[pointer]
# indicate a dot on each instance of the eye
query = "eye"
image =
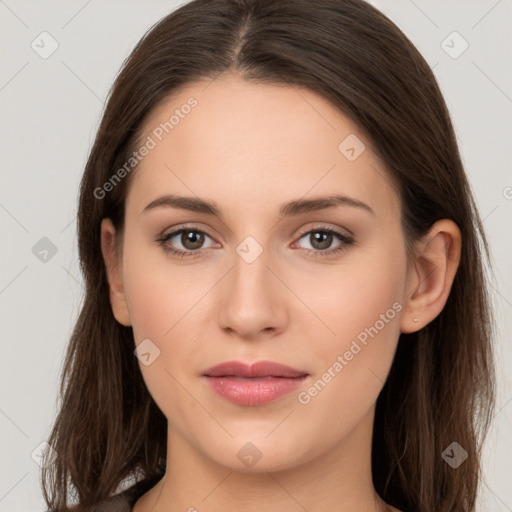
(190, 239)
(321, 239)
(189, 242)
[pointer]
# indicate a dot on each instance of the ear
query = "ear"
(431, 274)
(112, 258)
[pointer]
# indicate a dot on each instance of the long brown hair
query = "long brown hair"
(441, 385)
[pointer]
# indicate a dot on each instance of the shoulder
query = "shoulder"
(122, 501)
(118, 503)
(125, 500)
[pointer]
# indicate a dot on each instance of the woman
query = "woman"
(285, 305)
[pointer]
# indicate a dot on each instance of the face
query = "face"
(316, 289)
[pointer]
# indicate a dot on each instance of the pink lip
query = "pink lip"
(253, 384)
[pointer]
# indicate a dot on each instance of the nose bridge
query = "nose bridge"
(252, 301)
(251, 276)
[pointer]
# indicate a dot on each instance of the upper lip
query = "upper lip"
(258, 369)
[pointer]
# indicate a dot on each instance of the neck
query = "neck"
(339, 479)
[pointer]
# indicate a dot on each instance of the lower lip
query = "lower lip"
(253, 391)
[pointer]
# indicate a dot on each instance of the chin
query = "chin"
(259, 455)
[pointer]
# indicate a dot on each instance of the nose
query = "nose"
(252, 300)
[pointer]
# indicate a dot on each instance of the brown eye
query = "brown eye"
(321, 240)
(192, 240)
(185, 241)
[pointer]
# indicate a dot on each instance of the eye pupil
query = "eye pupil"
(323, 238)
(192, 237)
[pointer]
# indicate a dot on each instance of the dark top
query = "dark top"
(125, 500)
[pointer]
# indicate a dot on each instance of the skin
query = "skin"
(250, 148)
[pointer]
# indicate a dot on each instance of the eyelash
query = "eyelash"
(345, 239)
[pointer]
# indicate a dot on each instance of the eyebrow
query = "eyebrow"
(291, 208)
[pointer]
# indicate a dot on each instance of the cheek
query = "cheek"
(167, 307)
(349, 297)
(160, 294)
(359, 305)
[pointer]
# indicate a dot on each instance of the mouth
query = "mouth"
(258, 370)
(256, 384)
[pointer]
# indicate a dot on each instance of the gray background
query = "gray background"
(50, 109)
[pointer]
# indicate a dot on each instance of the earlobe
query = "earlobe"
(112, 260)
(431, 275)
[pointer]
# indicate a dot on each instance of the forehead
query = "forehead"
(243, 143)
